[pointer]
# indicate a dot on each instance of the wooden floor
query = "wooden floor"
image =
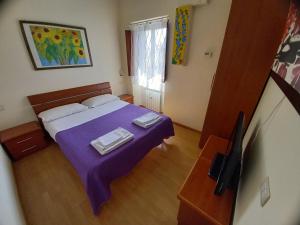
(52, 194)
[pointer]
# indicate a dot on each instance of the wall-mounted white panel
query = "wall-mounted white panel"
(10, 209)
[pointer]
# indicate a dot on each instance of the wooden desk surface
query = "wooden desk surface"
(198, 189)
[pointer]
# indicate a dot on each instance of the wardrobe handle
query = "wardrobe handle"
(212, 82)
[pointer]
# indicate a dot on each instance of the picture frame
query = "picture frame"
(291, 93)
(286, 67)
(56, 46)
(181, 37)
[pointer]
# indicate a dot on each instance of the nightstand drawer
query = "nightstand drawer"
(24, 152)
(23, 139)
(26, 144)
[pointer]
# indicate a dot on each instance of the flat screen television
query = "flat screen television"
(225, 169)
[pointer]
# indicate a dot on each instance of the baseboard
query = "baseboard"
(187, 127)
(179, 124)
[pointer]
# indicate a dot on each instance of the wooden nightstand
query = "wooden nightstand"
(24, 139)
(127, 98)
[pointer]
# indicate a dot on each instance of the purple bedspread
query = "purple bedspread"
(97, 171)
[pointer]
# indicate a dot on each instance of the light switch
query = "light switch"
(2, 108)
(265, 193)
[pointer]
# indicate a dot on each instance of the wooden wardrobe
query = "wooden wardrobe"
(253, 34)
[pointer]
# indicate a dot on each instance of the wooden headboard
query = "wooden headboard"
(44, 101)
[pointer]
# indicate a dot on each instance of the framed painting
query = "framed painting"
(55, 46)
(181, 34)
(286, 67)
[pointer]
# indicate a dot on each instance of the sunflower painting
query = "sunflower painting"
(56, 46)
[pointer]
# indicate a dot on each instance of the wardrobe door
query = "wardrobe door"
(254, 32)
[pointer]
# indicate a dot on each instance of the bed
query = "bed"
(75, 132)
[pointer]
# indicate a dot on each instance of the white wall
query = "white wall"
(18, 78)
(188, 87)
(274, 153)
(10, 209)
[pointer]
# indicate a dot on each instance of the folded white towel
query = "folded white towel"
(149, 124)
(148, 117)
(112, 140)
(109, 139)
(147, 120)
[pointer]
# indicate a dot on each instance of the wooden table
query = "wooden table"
(198, 203)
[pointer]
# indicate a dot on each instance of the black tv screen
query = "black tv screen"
(226, 168)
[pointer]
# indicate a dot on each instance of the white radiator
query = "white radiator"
(148, 98)
(152, 100)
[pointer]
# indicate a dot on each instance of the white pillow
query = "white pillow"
(61, 111)
(99, 100)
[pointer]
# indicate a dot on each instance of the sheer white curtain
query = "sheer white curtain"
(149, 41)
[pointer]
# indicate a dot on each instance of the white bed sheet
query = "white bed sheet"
(76, 119)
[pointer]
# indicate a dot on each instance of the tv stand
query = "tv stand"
(198, 203)
(217, 166)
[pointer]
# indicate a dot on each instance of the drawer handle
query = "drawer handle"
(30, 148)
(27, 139)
